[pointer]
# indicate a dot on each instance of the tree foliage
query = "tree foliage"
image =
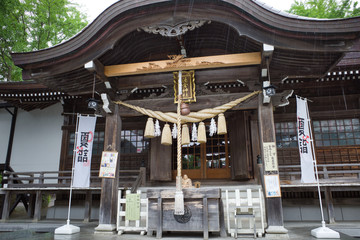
(325, 8)
(28, 25)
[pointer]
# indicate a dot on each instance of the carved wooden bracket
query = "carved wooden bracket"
(174, 31)
(281, 99)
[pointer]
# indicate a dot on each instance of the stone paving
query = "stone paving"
(45, 230)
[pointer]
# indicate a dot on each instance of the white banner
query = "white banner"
(304, 141)
(84, 144)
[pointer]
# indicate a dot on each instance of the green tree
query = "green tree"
(325, 8)
(28, 25)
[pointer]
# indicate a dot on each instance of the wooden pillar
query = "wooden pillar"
(160, 218)
(205, 218)
(88, 204)
(109, 186)
(6, 206)
(38, 206)
(31, 208)
(274, 211)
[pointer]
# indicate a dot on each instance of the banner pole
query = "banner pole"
(323, 231)
(72, 169)
(70, 229)
(315, 162)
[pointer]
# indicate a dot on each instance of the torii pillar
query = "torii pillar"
(109, 186)
(274, 210)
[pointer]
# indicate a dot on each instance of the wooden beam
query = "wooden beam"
(95, 66)
(177, 62)
(247, 73)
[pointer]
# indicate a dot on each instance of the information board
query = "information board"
(132, 211)
(270, 156)
(272, 185)
(108, 164)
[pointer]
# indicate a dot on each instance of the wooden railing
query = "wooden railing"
(62, 179)
(34, 184)
(343, 171)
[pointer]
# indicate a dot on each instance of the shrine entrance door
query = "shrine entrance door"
(208, 160)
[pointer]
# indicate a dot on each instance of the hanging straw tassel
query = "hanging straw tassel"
(221, 125)
(185, 137)
(166, 135)
(149, 129)
(201, 133)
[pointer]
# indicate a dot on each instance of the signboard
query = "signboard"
(83, 151)
(188, 86)
(270, 156)
(108, 164)
(272, 185)
(132, 211)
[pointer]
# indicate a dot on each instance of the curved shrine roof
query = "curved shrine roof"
(302, 46)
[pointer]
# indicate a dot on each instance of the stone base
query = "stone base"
(324, 232)
(105, 229)
(276, 232)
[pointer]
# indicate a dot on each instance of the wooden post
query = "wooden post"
(160, 218)
(274, 211)
(205, 218)
(143, 176)
(222, 219)
(88, 203)
(109, 186)
(38, 205)
(6, 207)
(31, 208)
(329, 205)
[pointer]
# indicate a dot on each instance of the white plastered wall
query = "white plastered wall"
(37, 140)
(5, 125)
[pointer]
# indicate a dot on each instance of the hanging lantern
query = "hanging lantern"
(185, 136)
(166, 135)
(221, 125)
(201, 133)
(149, 129)
(185, 109)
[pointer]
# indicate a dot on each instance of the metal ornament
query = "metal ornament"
(185, 109)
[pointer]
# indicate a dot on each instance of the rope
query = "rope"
(193, 116)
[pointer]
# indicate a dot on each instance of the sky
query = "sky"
(94, 8)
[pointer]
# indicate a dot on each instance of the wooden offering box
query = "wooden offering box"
(203, 211)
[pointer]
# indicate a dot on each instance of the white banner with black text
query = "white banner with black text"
(84, 145)
(304, 141)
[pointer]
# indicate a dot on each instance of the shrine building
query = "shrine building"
(132, 53)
